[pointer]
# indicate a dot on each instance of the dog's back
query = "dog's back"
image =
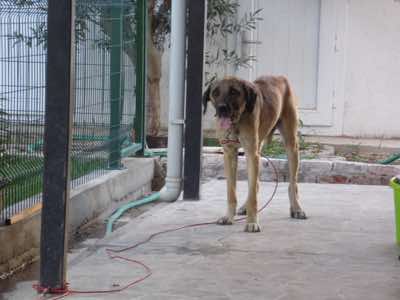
(278, 100)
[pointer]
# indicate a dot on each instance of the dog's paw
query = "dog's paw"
(300, 215)
(252, 227)
(225, 221)
(242, 211)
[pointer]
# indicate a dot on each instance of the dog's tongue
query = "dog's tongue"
(225, 123)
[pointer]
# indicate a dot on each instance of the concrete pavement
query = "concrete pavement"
(345, 250)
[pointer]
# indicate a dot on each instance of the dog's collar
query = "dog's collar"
(228, 141)
(231, 137)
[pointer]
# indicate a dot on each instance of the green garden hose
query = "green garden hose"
(120, 211)
(391, 159)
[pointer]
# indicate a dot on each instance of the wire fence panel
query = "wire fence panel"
(22, 92)
(104, 113)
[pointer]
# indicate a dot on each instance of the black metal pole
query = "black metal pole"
(194, 89)
(57, 141)
(141, 76)
(115, 86)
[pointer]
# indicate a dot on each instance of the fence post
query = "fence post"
(141, 62)
(115, 87)
(57, 141)
(193, 120)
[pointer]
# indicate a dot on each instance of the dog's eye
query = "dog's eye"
(234, 92)
(215, 92)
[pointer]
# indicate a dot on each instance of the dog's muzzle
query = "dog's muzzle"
(222, 111)
(223, 116)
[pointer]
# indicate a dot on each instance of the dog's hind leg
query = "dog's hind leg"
(288, 129)
(230, 166)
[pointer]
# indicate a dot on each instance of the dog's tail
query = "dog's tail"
(291, 100)
(289, 94)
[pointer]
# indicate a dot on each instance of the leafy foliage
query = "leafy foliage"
(87, 11)
(222, 24)
(221, 18)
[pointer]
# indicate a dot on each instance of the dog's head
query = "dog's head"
(231, 98)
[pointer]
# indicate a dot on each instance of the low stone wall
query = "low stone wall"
(88, 201)
(20, 242)
(311, 171)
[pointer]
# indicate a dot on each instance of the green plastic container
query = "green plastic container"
(395, 183)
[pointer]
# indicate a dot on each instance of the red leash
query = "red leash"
(113, 254)
(64, 292)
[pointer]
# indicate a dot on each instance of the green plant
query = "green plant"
(87, 11)
(222, 24)
(22, 176)
(275, 148)
(211, 142)
(302, 143)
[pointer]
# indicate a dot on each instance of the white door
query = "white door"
(297, 38)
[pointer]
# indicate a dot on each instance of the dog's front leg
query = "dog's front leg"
(230, 166)
(253, 159)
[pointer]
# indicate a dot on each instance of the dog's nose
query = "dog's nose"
(222, 109)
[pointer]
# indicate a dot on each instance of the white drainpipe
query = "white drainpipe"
(172, 189)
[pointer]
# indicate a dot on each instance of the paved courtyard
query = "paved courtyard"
(345, 250)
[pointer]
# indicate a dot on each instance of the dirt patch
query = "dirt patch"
(365, 154)
(351, 153)
(97, 228)
(29, 273)
(312, 150)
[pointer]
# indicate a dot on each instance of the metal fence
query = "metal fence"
(105, 104)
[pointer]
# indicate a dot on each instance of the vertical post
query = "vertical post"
(141, 73)
(115, 86)
(193, 122)
(57, 140)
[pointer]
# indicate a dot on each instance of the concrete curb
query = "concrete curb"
(109, 191)
(311, 171)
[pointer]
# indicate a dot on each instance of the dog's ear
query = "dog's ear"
(250, 96)
(206, 98)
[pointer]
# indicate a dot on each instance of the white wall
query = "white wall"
(367, 77)
(372, 69)
(367, 84)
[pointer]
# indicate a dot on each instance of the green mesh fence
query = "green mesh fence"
(105, 102)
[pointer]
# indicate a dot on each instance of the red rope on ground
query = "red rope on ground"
(65, 292)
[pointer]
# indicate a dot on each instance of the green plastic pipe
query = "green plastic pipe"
(132, 149)
(391, 159)
(120, 211)
(153, 197)
(153, 153)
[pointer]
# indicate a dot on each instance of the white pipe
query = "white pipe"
(172, 189)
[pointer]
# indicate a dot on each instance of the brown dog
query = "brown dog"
(247, 114)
